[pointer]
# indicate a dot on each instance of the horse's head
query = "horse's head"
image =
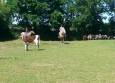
(32, 32)
(22, 34)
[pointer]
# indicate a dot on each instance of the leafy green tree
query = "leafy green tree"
(37, 12)
(88, 16)
(70, 13)
(109, 8)
(83, 15)
(56, 12)
(4, 15)
(5, 20)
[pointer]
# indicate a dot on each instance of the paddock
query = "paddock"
(76, 62)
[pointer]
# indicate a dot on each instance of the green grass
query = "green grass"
(76, 62)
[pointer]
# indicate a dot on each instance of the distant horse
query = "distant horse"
(29, 39)
(85, 37)
(89, 37)
(62, 36)
(99, 36)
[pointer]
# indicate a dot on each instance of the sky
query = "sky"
(107, 19)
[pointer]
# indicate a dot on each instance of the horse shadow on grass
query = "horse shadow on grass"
(35, 50)
(66, 43)
(41, 49)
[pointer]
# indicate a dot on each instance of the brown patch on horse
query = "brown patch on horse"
(29, 38)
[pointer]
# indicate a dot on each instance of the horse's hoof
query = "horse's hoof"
(26, 49)
(61, 42)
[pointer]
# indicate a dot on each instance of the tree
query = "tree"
(83, 15)
(37, 12)
(4, 15)
(87, 16)
(109, 8)
(5, 20)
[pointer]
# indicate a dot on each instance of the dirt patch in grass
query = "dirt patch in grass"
(5, 58)
(42, 64)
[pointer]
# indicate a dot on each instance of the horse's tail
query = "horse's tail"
(39, 39)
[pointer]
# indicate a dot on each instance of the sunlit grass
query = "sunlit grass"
(75, 62)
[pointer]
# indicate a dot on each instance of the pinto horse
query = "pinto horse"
(29, 39)
(62, 36)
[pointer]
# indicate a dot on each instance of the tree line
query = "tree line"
(79, 17)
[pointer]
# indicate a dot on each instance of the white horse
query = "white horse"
(29, 39)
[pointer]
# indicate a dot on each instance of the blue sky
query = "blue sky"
(107, 19)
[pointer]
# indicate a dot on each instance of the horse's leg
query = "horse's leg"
(37, 41)
(63, 39)
(37, 44)
(26, 46)
(37, 47)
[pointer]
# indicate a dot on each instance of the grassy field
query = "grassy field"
(75, 62)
